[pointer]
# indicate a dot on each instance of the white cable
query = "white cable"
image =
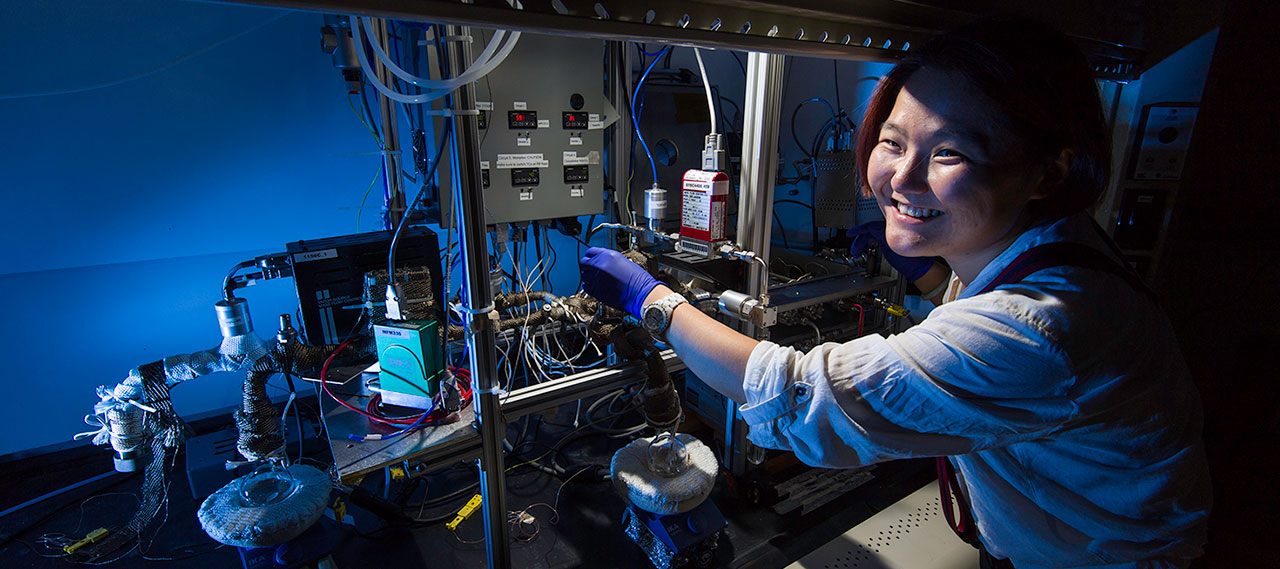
(473, 73)
(358, 38)
(706, 85)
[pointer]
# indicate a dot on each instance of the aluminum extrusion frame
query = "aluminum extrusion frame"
(867, 30)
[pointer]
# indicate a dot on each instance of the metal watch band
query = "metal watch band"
(667, 305)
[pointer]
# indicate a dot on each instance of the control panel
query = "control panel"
(547, 161)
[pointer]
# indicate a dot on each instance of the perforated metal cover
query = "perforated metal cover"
(837, 192)
(910, 534)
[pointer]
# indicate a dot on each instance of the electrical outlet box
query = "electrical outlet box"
(410, 362)
(1163, 141)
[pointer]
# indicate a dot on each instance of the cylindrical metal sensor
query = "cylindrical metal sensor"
(233, 317)
(732, 303)
(655, 206)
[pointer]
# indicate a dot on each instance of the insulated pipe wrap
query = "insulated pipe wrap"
(256, 421)
(419, 302)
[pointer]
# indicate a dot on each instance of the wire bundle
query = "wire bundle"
(427, 418)
(487, 61)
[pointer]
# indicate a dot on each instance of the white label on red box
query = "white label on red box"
(704, 205)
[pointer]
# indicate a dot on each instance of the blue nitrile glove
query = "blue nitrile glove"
(615, 280)
(911, 267)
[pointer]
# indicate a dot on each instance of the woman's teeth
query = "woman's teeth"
(917, 212)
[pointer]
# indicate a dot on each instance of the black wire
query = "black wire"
(782, 230)
(835, 64)
(404, 220)
(795, 136)
(7, 539)
(739, 60)
(737, 112)
(554, 257)
(796, 202)
(188, 550)
(425, 503)
(817, 140)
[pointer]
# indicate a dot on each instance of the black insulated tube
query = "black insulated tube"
(661, 402)
(256, 420)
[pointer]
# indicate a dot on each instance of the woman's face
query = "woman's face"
(948, 178)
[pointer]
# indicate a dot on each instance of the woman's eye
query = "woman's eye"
(891, 143)
(949, 153)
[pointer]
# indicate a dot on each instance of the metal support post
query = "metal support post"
(481, 348)
(617, 89)
(762, 111)
(394, 197)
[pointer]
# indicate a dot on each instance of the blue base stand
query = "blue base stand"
(677, 540)
(310, 546)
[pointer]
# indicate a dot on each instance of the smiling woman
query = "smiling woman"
(1030, 95)
(946, 190)
(1052, 381)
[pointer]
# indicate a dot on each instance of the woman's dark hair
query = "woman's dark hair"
(1037, 81)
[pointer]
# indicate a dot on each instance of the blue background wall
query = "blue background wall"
(125, 206)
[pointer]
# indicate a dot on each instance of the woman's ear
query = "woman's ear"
(1055, 173)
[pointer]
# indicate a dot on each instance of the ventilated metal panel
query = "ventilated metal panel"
(837, 192)
(910, 534)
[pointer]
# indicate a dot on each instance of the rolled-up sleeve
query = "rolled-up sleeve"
(976, 374)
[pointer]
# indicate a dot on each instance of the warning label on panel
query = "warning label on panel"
(571, 158)
(508, 161)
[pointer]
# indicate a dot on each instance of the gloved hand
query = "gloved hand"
(615, 280)
(911, 267)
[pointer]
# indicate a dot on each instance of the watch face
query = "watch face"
(653, 318)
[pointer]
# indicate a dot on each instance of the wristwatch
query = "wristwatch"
(656, 316)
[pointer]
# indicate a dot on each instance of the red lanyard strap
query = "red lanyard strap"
(961, 521)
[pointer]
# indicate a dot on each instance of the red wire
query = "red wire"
(465, 389)
(861, 315)
(436, 415)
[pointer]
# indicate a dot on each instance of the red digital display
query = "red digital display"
(572, 120)
(522, 119)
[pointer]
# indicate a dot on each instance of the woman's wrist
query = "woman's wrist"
(658, 293)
